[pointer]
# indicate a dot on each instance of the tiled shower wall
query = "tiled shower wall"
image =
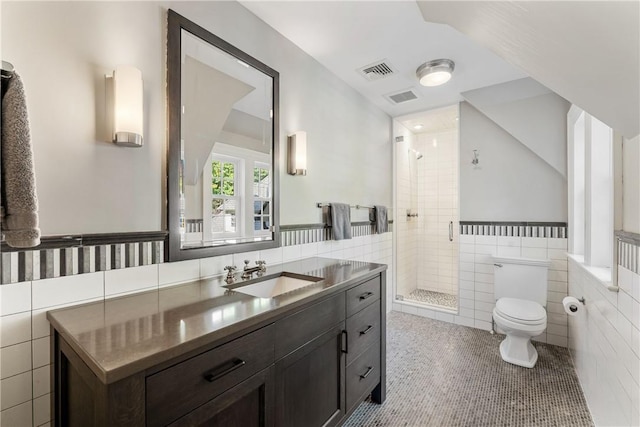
(604, 340)
(437, 194)
(477, 299)
(427, 187)
(406, 228)
(25, 365)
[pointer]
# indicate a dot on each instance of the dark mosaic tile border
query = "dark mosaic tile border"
(629, 250)
(311, 233)
(70, 255)
(514, 229)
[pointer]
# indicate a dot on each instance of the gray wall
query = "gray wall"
(62, 50)
(512, 183)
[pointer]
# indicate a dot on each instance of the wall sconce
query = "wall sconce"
(127, 107)
(297, 164)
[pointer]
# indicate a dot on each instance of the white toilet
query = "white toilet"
(520, 287)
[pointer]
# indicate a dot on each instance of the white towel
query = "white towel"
(19, 206)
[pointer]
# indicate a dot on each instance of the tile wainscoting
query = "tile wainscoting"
(69, 255)
(604, 338)
(478, 242)
(25, 363)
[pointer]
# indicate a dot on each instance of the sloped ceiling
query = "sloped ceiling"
(347, 35)
(586, 51)
(531, 113)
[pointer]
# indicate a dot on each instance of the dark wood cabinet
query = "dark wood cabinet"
(179, 389)
(310, 365)
(249, 404)
(310, 387)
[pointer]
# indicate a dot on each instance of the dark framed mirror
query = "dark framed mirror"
(222, 161)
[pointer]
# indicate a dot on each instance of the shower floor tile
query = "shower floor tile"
(433, 298)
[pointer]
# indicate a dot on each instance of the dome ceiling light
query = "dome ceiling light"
(436, 72)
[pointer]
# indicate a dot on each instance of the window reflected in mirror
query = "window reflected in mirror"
(226, 148)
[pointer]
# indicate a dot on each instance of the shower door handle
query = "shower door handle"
(451, 231)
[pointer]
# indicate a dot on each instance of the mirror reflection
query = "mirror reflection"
(226, 140)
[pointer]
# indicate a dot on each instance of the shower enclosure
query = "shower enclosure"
(426, 199)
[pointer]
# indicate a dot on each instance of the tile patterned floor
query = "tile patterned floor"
(434, 298)
(441, 374)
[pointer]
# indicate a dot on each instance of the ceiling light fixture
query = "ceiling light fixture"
(418, 127)
(436, 72)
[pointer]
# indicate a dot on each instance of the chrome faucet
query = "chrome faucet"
(260, 269)
(231, 273)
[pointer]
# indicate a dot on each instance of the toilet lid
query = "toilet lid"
(521, 309)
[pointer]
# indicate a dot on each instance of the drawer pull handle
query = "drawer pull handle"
(370, 327)
(345, 341)
(366, 295)
(224, 369)
(366, 374)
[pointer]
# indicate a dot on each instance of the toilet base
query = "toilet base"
(518, 351)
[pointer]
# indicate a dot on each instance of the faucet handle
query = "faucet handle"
(230, 269)
(246, 263)
(262, 265)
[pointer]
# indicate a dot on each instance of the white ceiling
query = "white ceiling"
(586, 51)
(347, 35)
(432, 121)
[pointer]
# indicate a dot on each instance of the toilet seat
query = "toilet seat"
(521, 311)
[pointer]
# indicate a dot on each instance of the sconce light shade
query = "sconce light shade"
(128, 107)
(297, 164)
(436, 72)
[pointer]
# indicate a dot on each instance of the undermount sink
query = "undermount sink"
(272, 287)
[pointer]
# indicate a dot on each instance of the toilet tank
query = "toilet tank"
(522, 278)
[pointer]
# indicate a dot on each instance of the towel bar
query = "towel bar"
(322, 205)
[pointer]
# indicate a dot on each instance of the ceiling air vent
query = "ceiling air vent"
(377, 70)
(400, 97)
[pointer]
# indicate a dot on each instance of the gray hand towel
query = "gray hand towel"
(19, 203)
(340, 221)
(379, 216)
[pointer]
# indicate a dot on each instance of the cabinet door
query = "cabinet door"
(249, 404)
(310, 383)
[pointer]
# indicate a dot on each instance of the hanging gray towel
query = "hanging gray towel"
(340, 221)
(19, 207)
(378, 215)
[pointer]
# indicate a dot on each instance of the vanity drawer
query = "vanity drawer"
(362, 375)
(301, 327)
(363, 329)
(179, 389)
(362, 295)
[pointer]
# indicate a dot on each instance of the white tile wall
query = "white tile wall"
(172, 273)
(130, 280)
(476, 298)
(427, 187)
(25, 365)
(604, 341)
(15, 298)
(15, 359)
(67, 289)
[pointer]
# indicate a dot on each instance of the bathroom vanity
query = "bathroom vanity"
(205, 353)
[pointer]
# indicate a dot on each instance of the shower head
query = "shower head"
(416, 153)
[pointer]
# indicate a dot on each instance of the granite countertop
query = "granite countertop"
(121, 336)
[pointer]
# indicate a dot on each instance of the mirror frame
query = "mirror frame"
(173, 249)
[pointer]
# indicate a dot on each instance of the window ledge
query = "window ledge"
(602, 274)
